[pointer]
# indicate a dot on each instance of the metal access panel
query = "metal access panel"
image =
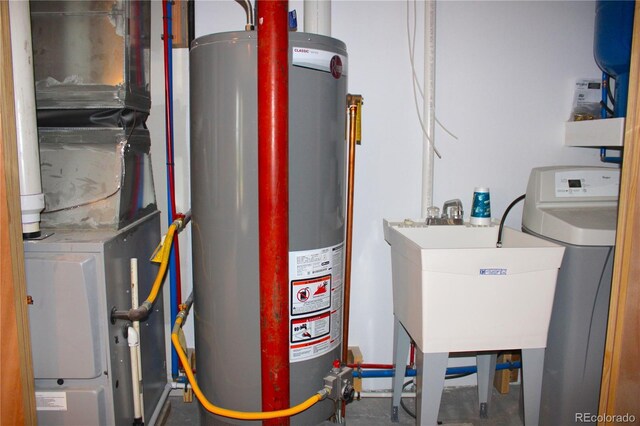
(81, 359)
(91, 54)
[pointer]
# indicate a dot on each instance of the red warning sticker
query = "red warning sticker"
(308, 296)
(309, 328)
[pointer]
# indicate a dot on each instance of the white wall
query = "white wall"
(504, 86)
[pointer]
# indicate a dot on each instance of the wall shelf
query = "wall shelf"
(595, 133)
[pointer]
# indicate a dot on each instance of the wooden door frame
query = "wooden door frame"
(621, 374)
(620, 388)
(17, 396)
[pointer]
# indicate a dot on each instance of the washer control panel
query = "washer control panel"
(587, 183)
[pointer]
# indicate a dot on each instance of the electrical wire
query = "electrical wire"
(425, 133)
(241, 415)
(87, 203)
(412, 44)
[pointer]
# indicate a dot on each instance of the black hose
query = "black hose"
(504, 217)
(404, 407)
(609, 93)
(411, 413)
(606, 107)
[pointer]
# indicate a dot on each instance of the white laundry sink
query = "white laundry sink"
(454, 291)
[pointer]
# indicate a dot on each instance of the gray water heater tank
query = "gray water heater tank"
(224, 194)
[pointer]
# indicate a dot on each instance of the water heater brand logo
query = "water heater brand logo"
(336, 66)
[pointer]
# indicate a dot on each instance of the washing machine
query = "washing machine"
(576, 207)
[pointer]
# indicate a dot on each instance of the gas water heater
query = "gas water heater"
(224, 193)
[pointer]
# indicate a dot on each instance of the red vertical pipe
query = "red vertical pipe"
(273, 198)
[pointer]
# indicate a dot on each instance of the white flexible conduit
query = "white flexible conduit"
(429, 104)
(317, 17)
(31, 196)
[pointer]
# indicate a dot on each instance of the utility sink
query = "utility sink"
(454, 291)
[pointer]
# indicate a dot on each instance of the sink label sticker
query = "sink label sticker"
(493, 271)
(315, 302)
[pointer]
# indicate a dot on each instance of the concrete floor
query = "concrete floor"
(459, 406)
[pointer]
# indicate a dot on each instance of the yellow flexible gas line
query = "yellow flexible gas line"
(241, 415)
(164, 262)
(161, 255)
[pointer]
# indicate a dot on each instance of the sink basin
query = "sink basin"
(454, 291)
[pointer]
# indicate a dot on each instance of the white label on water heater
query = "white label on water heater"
(315, 302)
(321, 60)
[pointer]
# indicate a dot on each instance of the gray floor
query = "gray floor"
(458, 407)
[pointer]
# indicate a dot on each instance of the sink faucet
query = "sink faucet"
(451, 214)
(452, 210)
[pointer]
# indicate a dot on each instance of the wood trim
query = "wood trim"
(180, 24)
(621, 375)
(17, 396)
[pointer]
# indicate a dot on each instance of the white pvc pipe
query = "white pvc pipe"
(136, 327)
(31, 196)
(317, 17)
(134, 346)
(429, 117)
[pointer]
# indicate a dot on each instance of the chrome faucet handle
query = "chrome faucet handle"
(452, 209)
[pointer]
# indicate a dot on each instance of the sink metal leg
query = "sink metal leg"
(432, 368)
(532, 369)
(401, 345)
(486, 371)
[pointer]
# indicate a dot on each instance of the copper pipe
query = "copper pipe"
(352, 109)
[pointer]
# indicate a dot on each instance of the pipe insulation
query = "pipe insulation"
(429, 117)
(31, 196)
(317, 17)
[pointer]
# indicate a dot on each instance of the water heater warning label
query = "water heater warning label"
(309, 296)
(315, 296)
(310, 328)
